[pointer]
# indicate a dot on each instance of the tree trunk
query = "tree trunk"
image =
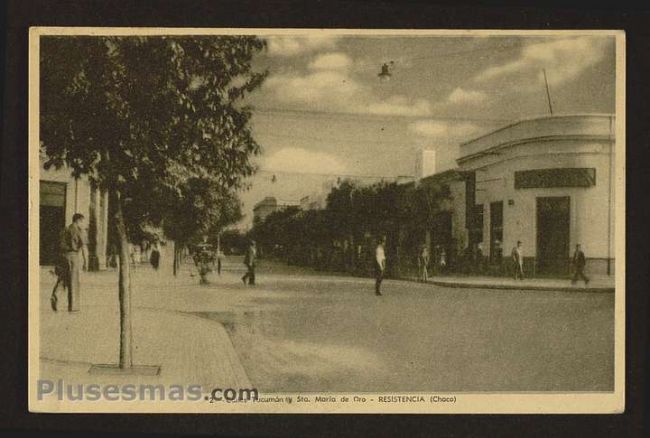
(175, 264)
(126, 336)
(178, 255)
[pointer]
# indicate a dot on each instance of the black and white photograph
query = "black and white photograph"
(326, 221)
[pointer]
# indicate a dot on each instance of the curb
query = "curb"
(522, 287)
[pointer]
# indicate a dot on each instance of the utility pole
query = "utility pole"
(548, 93)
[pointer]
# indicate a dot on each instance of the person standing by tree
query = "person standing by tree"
(518, 261)
(380, 264)
(249, 260)
(73, 242)
(579, 262)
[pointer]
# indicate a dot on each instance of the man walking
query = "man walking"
(518, 261)
(380, 265)
(249, 261)
(579, 263)
(72, 243)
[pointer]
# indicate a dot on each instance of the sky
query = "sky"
(324, 113)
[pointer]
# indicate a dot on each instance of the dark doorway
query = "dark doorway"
(553, 216)
(52, 220)
(496, 232)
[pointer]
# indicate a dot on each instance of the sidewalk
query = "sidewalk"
(189, 350)
(597, 283)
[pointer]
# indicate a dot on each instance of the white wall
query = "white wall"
(590, 207)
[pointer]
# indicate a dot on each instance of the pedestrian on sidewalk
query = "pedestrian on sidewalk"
(423, 263)
(72, 243)
(134, 254)
(579, 263)
(518, 261)
(479, 258)
(380, 264)
(204, 260)
(249, 261)
(442, 262)
(154, 258)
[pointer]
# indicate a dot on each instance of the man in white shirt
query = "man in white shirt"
(380, 264)
(518, 261)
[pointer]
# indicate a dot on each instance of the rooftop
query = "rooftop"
(560, 126)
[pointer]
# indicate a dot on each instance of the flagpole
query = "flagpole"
(548, 92)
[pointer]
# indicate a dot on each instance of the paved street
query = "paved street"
(304, 331)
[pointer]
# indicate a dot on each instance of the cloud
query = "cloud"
(329, 85)
(291, 45)
(444, 130)
(331, 61)
(462, 96)
(301, 160)
(315, 89)
(399, 105)
(564, 59)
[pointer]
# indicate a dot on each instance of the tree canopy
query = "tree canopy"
(159, 123)
(148, 117)
(354, 215)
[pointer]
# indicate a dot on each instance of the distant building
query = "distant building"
(317, 200)
(425, 163)
(269, 205)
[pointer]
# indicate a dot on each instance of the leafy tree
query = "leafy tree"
(141, 117)
(276, 233)
(233, 241)
(203, 208)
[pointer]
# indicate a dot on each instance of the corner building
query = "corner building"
(548, 182)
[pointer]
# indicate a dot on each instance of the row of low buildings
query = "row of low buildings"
(314, 201)
(548, 182)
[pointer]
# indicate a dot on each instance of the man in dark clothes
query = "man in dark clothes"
(579, 263)
(73, 242)
(249, 261)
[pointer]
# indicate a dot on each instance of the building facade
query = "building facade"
(547, 182)
(61, 196)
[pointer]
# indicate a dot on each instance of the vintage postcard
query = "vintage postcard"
(326, 221)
